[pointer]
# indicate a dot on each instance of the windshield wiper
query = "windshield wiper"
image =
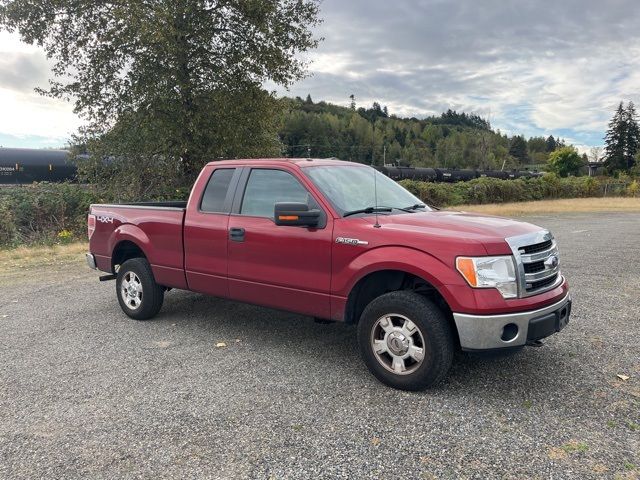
(421, 205)
(367, 210)
(414, 207)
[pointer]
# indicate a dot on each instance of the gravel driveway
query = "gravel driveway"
(86, 392)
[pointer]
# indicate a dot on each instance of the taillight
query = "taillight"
(91, 225)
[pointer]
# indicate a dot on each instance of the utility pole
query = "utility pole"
(308, 151)
(384, 154)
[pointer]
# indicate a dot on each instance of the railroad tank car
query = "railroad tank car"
(425, 174)
(493, 174)
(443, 175)
(451, 175)
(27, 165)
(408, 173)
(463, 175)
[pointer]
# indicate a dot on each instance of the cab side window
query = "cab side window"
(267, 187)
(216, 191)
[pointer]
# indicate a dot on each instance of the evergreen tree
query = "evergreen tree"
(352, 104)
(518, 148)
(632, 135)
(551, 144)
(615, 141)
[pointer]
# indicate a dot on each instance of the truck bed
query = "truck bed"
(155, 226)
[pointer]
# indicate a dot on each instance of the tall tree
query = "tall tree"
(518, 148)
(170, 66)
(551, 144)
(615, 141)
(632, 135)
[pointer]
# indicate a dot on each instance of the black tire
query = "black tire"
(434, 332)
(149, 301)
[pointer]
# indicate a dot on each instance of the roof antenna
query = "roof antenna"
(375, 194)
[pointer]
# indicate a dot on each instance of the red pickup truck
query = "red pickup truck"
(339, 241)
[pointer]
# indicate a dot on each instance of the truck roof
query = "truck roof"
(301, 162)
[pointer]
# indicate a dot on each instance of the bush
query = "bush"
(48, 213)
(44, 213)
(493, 190)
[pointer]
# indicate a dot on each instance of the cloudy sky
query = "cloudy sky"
(532, 67)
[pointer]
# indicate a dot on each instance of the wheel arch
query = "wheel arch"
(125, 250)
(129, 241)
(379, 282)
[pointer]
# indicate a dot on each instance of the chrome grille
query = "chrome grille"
(537, 265)
(538, 247)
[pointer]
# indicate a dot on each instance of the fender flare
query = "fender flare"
(405, 259)
(131, 233)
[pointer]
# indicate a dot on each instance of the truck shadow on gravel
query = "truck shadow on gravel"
(332, 349)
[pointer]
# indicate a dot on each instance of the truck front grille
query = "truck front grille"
(534, 267)
(540, 284)
(537, 263)
(538, 247)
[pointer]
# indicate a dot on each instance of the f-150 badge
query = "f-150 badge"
(350, 241)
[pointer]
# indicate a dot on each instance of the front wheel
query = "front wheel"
(139, 295)
(406, 340)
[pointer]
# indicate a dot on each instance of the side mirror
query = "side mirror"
(295, 214)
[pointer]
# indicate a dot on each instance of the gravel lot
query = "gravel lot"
(86, 392)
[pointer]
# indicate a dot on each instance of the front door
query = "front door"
(284, 267)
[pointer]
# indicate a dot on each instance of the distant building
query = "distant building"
(593, 167)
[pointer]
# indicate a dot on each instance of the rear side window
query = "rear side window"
(265, 188)
(216, 190)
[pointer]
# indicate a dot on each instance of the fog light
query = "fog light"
(509, 332)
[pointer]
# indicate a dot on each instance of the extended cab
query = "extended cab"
(339, 241)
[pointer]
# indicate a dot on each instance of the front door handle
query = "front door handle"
(236, 234)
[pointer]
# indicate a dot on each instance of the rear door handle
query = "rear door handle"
(236, 234)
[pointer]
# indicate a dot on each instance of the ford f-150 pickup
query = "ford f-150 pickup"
(340, 242)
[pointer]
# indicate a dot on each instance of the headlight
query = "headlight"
(490, 272)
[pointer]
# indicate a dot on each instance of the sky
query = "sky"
(530, 67)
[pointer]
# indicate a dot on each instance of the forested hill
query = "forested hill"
(370, 134)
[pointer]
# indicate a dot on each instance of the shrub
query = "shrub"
(44, 213)
(493, 190)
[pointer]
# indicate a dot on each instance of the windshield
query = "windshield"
(352, 188)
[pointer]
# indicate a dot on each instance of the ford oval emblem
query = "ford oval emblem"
(551, 262)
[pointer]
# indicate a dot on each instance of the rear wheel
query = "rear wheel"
(406, 340)
(139, 295)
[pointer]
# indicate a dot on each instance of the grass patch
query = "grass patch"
(574, 446)
(569, 205)
(27, 258)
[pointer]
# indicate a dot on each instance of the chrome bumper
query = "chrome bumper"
(486, 332)
(91, 260)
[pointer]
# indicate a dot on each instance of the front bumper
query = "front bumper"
(487, 332)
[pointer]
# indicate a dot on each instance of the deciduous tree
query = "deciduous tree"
(565, 161)
(172, 67)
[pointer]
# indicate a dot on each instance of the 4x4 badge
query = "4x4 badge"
(350, 241)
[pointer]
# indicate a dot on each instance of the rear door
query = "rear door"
(285, 267)
(205, 231)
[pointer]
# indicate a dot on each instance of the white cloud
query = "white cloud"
(536, 68)
(24, 112)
